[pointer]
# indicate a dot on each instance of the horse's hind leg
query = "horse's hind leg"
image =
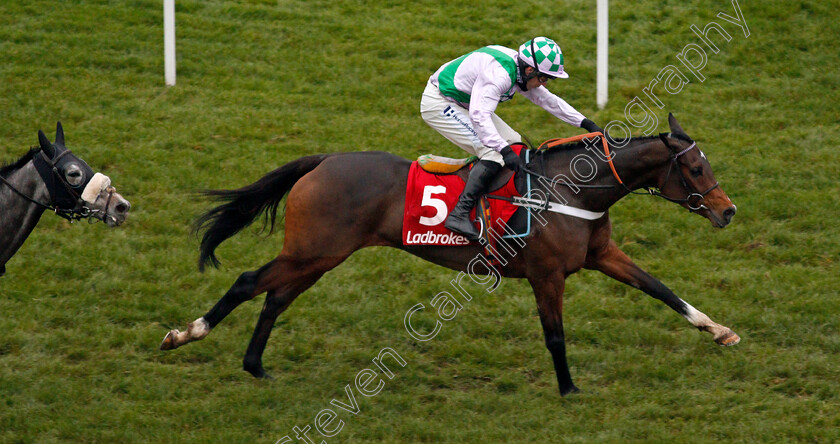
(284, 280)
(242, 290)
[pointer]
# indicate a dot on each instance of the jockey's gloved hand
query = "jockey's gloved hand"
(591, 126)
(512, 160)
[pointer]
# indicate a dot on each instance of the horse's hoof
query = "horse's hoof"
(256, 369)
(728, 339)
(169, 341)
(259, 373)
(566, 390)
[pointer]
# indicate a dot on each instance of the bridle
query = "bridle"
(694, 200)
(697, 204)
(49, 172)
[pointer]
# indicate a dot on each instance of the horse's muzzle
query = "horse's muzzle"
(116, 210)
(722, 219)
(728, 214)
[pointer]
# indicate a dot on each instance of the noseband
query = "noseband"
(694, 199)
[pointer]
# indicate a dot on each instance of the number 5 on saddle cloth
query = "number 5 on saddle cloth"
(434, 185)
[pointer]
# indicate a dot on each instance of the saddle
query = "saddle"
(460, 167)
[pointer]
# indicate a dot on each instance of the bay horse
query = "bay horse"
(340, 203)
(50, 177)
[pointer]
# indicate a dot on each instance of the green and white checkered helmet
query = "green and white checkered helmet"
(544, 55)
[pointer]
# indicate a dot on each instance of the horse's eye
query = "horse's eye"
(696, 171)
(74, 176)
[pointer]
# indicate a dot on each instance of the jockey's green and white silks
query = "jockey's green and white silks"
(478, 82)
(446, 78)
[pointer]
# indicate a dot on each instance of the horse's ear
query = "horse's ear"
(59, 135)
(664, 138)
(675, 127)
(46, 145)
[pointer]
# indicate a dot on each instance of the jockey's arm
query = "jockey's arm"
(485, 96)
(558, 107)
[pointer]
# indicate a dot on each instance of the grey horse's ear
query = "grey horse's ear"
(46, 145)
(59, 135)
(675, 127)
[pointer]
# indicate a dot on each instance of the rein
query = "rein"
(693, 200)
(552, 143)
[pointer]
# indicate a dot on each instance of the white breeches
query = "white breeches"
(453, 122)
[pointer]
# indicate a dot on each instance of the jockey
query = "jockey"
(460, 102)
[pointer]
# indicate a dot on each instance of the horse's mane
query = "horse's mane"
(573, 146)
(9, 167)
(581, 145)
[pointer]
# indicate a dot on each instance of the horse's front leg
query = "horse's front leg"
(611, 261)
(548, 289)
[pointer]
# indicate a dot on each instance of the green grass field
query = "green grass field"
(260, 83)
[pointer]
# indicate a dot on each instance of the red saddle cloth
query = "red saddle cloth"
(430, 197)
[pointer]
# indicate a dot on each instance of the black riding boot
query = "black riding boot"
(459, 219)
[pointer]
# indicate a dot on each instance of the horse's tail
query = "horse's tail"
(244, 205)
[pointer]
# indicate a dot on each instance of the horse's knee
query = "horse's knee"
(556, 344)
